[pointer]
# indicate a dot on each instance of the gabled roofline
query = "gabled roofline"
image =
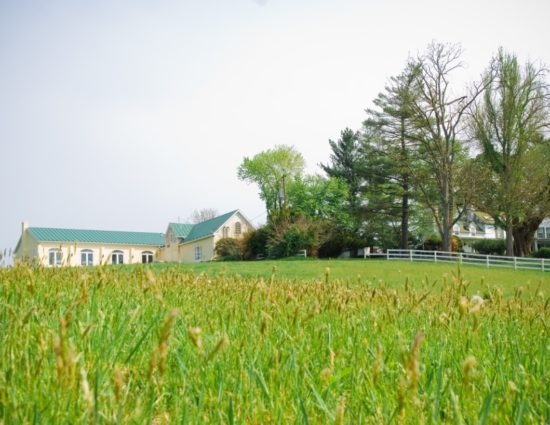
(231, 216)
(246, 218)
(237, 211)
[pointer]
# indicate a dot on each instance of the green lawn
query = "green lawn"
(392, 273)
(232, 343)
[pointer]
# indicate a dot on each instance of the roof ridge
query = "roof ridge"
(90, 230)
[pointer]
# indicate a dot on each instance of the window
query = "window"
(117, 257)
(146, 257)
(86, 257)
(55, 257)
(472, 229)
(198, 253)
(225, 231)
(540, 233)
(237, 228)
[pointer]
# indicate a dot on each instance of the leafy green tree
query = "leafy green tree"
(272, 170)
(392, 160)
(346, 163)
(507, 123)
(315, 197)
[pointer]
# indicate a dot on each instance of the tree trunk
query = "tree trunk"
(524, 235)
(447, 215)
(509, 239)
(404, 241)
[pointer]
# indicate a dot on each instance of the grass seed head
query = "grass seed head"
(87, 394)
(222, 343)
(195, 337)
(340, 411)
(463, 306)
(468, 368)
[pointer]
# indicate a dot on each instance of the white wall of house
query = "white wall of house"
(71, 253)
(199, 250)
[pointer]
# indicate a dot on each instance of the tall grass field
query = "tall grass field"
(256, 343)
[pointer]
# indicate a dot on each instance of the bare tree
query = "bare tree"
(438, 120)
(203, 214)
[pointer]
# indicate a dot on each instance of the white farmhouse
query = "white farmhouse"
(76, 247)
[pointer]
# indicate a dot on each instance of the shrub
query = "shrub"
(490, 246)
(254, 243)
(229, 249)
(542, 253)
(432, 243)
(339, 241)
(286, 241)
(457, 244)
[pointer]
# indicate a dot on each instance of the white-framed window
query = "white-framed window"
(55, 257)
(472, 229)
(237, 228)
(86, 257)
(198, 253)
(146, 257)
(117, 257)
(225, 231)
(456, 229)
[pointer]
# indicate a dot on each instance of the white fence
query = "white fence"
(467, 258)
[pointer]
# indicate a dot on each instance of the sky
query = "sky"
(128, 115)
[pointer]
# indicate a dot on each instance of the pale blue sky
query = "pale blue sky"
(126, 115)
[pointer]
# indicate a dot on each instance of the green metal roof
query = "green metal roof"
(96, 236)
(208, 227)
(181, 230)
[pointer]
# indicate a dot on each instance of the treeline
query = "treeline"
(427, 151)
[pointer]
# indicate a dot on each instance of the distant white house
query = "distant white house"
(76, 247)
(542, 235)
(475, 226)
